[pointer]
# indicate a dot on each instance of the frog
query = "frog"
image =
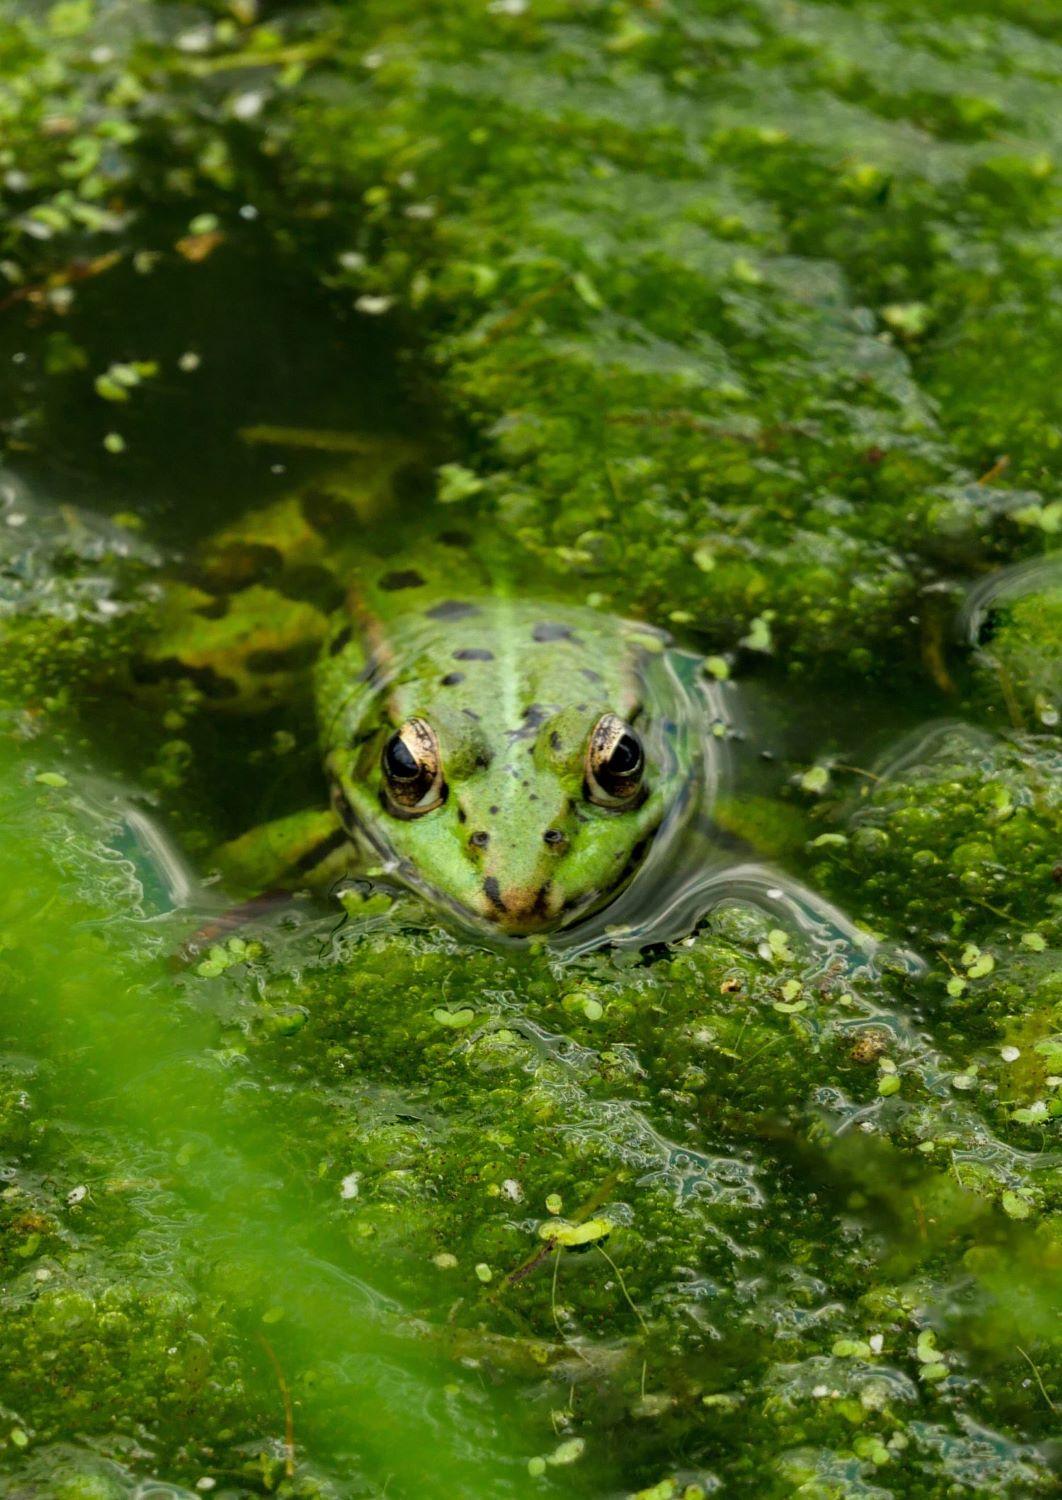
(517, 757)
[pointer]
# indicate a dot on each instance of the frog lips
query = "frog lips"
(520, 908)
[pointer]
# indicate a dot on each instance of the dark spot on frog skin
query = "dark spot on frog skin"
(456, 538)
(480, 839)
(412, 483)
(311, 584)
(591, 675)
(470, 713)
(171, 669)
(238, 565)
(217, 609)
(549, 630)
(323, 511)
(451, 609)
(288, 659)
(493, 812)
(534, 716)
(403, 578)
(452, 679)
(554, 740)
(473, 653)
(492, 891)
(341, 640)
(554, 838)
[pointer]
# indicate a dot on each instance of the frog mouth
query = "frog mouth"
(504, 916)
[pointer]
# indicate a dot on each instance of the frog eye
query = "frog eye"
(412, 770)
(615, 763)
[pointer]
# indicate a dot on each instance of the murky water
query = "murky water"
(743, 1185)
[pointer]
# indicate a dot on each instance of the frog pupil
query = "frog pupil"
(399, 762)
(626, 756)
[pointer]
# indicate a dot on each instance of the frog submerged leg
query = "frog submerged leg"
(245, 652)
(306, 850)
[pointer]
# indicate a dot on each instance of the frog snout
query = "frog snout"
(524, 907)
(522, 899)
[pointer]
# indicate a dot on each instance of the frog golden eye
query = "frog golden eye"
(615, 763)
(412, 770)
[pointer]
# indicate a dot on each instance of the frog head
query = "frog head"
(523, 795)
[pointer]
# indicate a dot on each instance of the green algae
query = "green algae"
(745, 316)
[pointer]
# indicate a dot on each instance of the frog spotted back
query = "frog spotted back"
(511, 758)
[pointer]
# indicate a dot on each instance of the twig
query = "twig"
(585, 1209)
(623, 1288)
(285, 1395)
(281, 57)
(1036, 1372)
(999, 467)
(308, 437)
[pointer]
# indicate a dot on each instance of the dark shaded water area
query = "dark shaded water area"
(746, 332)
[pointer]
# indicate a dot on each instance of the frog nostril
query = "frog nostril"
(554, 838)
(479, 840)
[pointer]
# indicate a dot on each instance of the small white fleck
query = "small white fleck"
(348, 1188)
(373, 305)
(512, 1189)
(507, 7)
(248, 106)
(819, 1391)
(1009, 1054)
(189, 361)
(372, 60)
(101, 55)
(77, 1195)
(278, 468)
(352, 260)
(420, 211)
(877, 1342)
(195, 41)
(206, 1483)
(248, 211)
(42, 1273)
(775, 893)
(16, 518)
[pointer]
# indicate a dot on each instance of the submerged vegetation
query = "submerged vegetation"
(740, 318)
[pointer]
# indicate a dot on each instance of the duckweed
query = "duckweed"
(740, 319)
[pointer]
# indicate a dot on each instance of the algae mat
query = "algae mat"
(741, 319)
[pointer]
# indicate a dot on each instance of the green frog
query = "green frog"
(518, 759)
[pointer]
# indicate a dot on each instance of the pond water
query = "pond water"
(738, 322)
